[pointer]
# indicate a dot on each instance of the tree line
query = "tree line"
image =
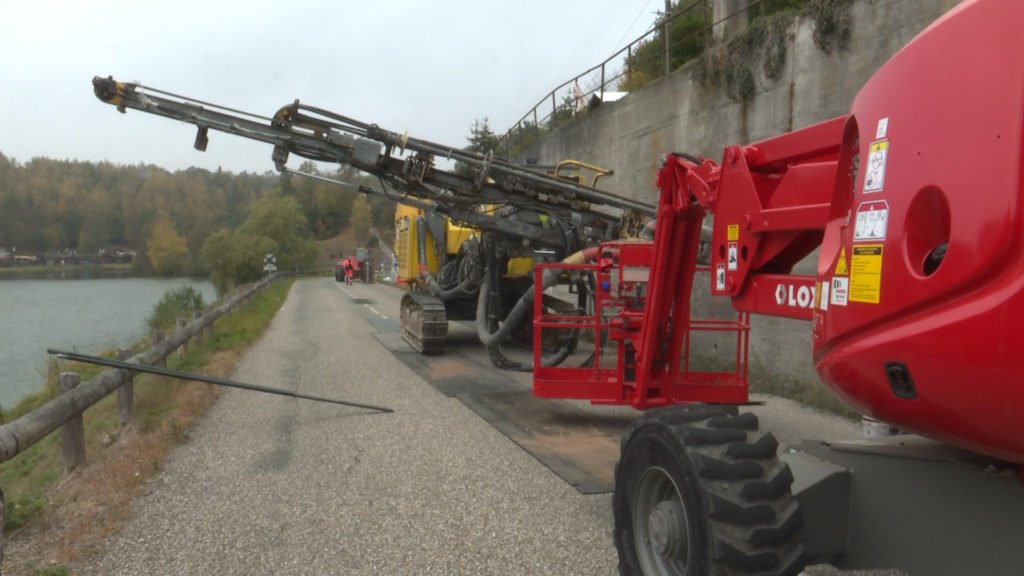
(191, 221)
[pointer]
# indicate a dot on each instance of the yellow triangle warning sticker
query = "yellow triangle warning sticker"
(841, 268)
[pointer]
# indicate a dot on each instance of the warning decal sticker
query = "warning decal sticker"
(733, 256)
(866, 274)
(840, 291)
(883, 127)
(720, 278)
(821, 294)
(841, 268)
(733, 232)
(877, 156)
(872, 220)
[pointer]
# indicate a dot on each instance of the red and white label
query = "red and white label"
(840, 291)
(872, 221)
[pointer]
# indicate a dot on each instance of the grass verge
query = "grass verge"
(56, 522)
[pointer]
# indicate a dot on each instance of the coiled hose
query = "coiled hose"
(521, 310)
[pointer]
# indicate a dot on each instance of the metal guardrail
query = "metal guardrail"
(599, 77)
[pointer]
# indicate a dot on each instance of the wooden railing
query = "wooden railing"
(73, 398)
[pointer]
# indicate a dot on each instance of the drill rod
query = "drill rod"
(64, 355)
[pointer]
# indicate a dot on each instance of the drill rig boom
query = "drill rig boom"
(321, 135)
(527, 210)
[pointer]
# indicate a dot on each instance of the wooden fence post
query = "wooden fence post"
(208, 329)
(199, 335)
(2, 524)
(126, 393)
(72, 433)
(158, 337)
(183, 349)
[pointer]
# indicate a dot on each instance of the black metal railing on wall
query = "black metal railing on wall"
(683, 34)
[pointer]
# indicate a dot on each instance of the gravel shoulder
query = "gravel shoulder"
(272, 485)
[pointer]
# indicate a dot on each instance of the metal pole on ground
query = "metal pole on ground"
(74, 356)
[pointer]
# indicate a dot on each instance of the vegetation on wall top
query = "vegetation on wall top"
(730, 64)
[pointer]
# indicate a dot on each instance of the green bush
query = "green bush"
(730, 65)
(175, 303)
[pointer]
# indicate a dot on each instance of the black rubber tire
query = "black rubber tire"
(738, 514)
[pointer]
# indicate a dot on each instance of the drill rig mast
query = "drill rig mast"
(522, 213)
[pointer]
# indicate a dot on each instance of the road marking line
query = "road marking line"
(370, 308)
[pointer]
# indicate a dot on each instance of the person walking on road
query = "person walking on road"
(348, 271)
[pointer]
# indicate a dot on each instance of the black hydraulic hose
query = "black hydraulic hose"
(525, 304)
(491, 272)
(421, 251)
(496, 338)
(522, 308)
(464, 288)
(421, 244)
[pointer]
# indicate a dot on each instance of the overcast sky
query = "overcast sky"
(429, 67)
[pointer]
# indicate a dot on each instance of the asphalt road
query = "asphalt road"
(269, 485)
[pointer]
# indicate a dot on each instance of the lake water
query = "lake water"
(86, 316)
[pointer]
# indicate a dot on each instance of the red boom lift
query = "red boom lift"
(914, 202)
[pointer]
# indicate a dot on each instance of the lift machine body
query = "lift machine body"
(913, 202)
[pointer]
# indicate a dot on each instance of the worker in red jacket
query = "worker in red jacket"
(349, 269)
